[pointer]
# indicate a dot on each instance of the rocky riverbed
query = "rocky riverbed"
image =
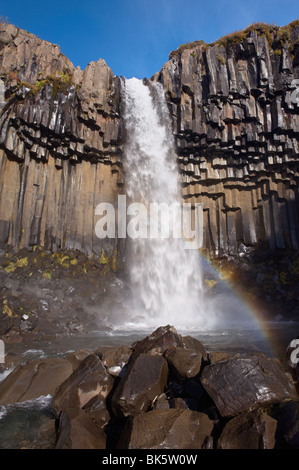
(165, 391)
(178, 382)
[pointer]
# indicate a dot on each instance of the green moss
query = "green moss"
(60, 82)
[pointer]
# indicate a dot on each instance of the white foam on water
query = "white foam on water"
(39, 403)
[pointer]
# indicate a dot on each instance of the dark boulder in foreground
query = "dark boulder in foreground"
(34, 379)
(185, 363)
(164, 392)
(78, 431)
(157, 343)
(167, 429)
(242, 382)
(87, 381)
(249, 430)
(145, 379)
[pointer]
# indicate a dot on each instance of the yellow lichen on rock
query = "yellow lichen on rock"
(210, 283)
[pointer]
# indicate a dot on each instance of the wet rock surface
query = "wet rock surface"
(34, 379)
(90, 379)
(244, 401)
(158, 342)
(186, 363)
(167, 429)
(79, 431)
(241, 383)
(144, 380)
(250, 430)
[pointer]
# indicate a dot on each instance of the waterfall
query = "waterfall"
(165, 277)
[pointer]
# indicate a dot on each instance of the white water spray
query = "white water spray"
(166, 278)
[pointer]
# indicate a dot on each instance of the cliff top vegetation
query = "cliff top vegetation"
(275, 35)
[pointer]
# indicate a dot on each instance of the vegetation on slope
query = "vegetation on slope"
(275, 35)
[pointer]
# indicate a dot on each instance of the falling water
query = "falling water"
(165, 276)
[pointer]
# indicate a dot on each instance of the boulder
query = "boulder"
(166, 429)
(237, 384)
(193, 343)
(185, 363)
(96, 409)
(249, 430)
(76, 357)
(34, 379)
(87, 381)
(115, 359)
(162, 339)
(217, 356)
(144, 380)
(77, 430)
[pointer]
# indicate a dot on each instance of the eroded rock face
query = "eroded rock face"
(78, 431)
(34, 379)
(185, 363)
(251, 430)
(144, 380)
(60, 134)
(90, 379)
(236, 128)
(157, 343)
(115, 359)
(167, 429)
(235, 121)
(237, 384)
(96, 409)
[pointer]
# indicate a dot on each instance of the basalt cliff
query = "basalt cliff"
(235, 112)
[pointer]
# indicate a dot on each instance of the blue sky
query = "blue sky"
(135, 37)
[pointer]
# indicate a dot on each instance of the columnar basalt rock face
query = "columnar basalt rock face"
(236, 122)
(60, 132)
(236, 125)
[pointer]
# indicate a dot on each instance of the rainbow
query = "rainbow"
(273, 336)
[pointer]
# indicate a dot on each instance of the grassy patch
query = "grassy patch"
(184, 47)
(60, 82)
(276, 36)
